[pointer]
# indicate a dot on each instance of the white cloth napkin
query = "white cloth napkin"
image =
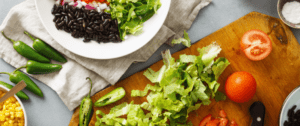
(70, 83)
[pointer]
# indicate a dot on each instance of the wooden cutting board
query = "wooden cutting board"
(276, 76)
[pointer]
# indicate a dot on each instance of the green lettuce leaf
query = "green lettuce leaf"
(219, 66)
(184, 41)
(180, 87)
(135, 93)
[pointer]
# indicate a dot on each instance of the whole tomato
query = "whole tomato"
(240, 87)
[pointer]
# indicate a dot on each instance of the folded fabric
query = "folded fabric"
(69, 82)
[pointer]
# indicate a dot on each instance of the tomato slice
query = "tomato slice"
(256, 45)
(205, 120)
(213, 122)
(223, 122)
(222, 113)
(233, 123)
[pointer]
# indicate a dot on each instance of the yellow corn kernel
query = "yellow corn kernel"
(14, 105)
(7, 101)
(5, 123)
(2, 117)
(19, 114)
(17, 104)
(11, 121)
(18, 109)
(6, 114)
(12, 117)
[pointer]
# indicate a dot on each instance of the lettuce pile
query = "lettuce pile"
(179, 87)
(131, 14)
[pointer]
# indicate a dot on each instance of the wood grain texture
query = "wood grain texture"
(276, 76)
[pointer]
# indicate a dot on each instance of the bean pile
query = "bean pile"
(89, 24)
(293, 117)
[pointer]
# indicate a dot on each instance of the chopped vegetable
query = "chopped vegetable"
(131, 14)
(180, 87)
(111, 97)
(185, 40)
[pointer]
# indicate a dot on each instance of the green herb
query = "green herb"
(179, 87)
(131, 14)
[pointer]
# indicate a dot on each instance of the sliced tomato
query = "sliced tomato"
(205, 120)
(233, 123)
(223, 122)
(213, 122)
(222, 113)
(256, 45)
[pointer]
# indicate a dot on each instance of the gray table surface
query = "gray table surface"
(51, 111)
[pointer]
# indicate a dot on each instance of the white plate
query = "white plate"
(103, 50)
(292, 99)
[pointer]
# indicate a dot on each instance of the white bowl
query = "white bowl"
(5, 89)
(102, 51)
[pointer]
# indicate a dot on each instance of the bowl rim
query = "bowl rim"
(284, 103)
(279, 11)
(21, 104)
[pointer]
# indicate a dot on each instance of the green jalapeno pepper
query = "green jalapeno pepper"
(33, 67)
(17, 76)
(111, 97)
(46, 50)
(86, 107)
(20, 94)
(26, 51)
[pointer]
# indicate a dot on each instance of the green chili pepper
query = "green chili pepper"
(26, 51)
(33, 67)
(46, 50)
(111, 97)
(86, 108)
(20, 94)
(17, 76)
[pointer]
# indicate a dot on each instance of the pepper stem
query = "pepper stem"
(5, 73)
(91, 86)
(8, 38)
(32, 38)
(19, 68)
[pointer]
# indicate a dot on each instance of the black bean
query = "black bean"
(53, 11)
(88, 28)
(106, 21)
(63, 13)
(62, 18)
(86, 40)
(90, 24)
(55, 18)
(66, 19)
(111, 36)
(64, 9)
(102, 18)
(57, 15)
(101, 27)
(70, 23)
(61, 23)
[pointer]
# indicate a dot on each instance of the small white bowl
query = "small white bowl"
(4, 89)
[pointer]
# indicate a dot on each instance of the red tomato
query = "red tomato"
(240, 87)
(213, 122)
(233, 123)
(222, 113)
(223, 122)
(205, 120)
(256, 45)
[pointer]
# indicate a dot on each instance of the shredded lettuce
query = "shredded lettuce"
(185, 40)
(180, 87)
(131, 14)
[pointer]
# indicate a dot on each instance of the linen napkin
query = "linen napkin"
(69, 82)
